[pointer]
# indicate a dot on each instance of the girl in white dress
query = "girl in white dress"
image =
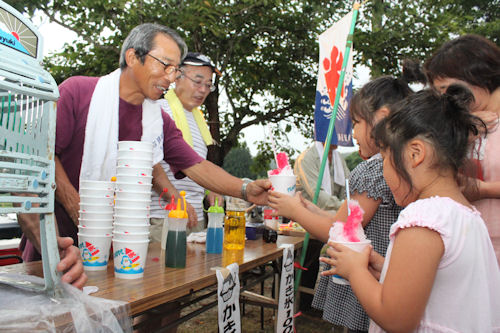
(440, 272)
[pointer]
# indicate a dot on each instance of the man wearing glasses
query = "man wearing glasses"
(192, 86)
(94, 113)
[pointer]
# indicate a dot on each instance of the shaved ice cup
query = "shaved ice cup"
(94, 251)
(130, 258)
(356, 246)
(284, 184)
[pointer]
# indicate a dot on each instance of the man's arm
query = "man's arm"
(70, 264)
(66, 193)
(307, 172)
(214, 178)
(161, 181)
(30, 226)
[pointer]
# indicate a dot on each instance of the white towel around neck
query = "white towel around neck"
(338, 169)
(100, 148)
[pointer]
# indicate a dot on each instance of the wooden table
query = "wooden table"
(161, 285)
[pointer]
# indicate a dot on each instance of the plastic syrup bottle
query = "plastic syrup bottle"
(234, 224)
(167, 209)
(175, 255)
(214, 230)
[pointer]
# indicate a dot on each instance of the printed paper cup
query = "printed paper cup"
(131, 228)
(164, 233)
(141, 204)
(130, 195)
(88, 215)
(94, 251)
(96, 223)
(95, 231)
(135, 145)
(97, 185)
(283, 184)
(97, 192)
(129, 236)
(136, 154)
(95, 200)
(270, 221)
(134, 171)
(133, 187)
(132, 212)
(356, 246)
(98, 208)
(134, 163)
(131, 220)
(129, 258)
(134, 179)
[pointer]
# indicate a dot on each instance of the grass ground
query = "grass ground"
(251, 318)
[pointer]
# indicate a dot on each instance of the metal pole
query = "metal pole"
(331, 126)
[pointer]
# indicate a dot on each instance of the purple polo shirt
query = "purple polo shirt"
(72, 110)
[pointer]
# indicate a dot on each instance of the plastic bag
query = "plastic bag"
(24, 310)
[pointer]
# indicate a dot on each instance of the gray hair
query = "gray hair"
(141, 40)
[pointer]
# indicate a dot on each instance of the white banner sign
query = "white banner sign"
(286, 298)
(332, 44)
(228, 295)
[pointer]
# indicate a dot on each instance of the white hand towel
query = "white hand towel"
(338, 169)
(326, 183)
(101, 131)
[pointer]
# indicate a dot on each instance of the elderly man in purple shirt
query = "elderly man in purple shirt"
(149, 62)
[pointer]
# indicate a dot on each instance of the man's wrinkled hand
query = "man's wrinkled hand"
(71, 263)
(192, 216)
(257, 191)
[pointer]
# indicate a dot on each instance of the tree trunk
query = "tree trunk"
(214, 154)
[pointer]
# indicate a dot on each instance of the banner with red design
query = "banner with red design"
(332, 44)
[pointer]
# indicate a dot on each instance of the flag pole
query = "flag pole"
(331, 126)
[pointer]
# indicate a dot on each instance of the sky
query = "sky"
(252, 134)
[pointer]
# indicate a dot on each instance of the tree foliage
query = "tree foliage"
(352, 160)
(238, 162)
(266, 49)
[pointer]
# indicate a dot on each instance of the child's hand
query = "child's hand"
(345, 261)
(313, 208)
(376, 264)
(284, 204)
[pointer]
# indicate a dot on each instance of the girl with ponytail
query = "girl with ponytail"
(439, 273)
(367, 186)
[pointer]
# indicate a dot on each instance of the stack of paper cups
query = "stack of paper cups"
(133, 198)
(95, 223)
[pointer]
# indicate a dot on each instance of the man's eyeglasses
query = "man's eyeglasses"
(198, 83)
(168, 68)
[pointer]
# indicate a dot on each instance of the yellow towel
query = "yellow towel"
(181, 121)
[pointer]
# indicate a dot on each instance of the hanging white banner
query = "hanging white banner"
(228, 295)
(332, 45)
(286, 296)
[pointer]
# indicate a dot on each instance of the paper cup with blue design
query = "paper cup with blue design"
(356, 246)
(94, 250)
(129, 258)
(283, 184)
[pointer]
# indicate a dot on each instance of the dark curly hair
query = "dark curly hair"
(384, 91)
(470, 58)
(442, 120)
